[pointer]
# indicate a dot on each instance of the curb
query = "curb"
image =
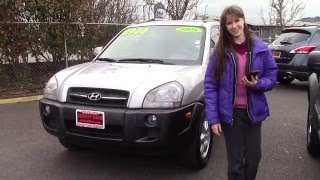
(20, 99)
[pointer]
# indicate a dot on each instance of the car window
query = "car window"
(316, 38)
(292, 38)
(172, 44)
(215, 34)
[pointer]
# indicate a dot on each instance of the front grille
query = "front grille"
(110, 132)
(109, 97)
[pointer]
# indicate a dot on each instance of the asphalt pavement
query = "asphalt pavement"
(28, 152)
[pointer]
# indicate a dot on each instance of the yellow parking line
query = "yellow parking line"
(20, 99)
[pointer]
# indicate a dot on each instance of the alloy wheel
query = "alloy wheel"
(204, 139)
(309, 133)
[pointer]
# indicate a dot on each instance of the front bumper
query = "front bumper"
(123, 127)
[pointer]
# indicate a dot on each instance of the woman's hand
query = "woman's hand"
(252, 83)
(216, 128)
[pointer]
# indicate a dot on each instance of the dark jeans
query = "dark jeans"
(243, 143)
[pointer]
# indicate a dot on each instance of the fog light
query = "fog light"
(46, 111)
(152, 120)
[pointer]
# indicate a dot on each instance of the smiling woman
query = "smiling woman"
(235, 26)
(236, 105)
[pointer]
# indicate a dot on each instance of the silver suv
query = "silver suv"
(143, 90)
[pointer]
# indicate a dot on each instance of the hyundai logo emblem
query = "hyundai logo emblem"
(94, 96)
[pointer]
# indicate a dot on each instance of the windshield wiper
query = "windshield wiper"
(107, 59)
(144, 60)
(283, 42)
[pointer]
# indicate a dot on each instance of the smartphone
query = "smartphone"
(252, 73)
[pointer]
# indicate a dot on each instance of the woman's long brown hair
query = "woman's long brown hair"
(226, 40)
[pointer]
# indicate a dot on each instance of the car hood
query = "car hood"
(122, 76)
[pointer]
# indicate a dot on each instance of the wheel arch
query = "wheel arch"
(201, 97)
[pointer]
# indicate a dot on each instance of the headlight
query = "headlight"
(165, 96)
(50, 91)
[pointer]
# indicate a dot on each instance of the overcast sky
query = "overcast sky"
(252, 7)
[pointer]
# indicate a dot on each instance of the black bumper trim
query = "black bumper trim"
(123, 126)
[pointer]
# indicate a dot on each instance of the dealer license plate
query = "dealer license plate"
(90, 119)
(276, 54)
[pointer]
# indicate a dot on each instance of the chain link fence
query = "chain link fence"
(30, 53)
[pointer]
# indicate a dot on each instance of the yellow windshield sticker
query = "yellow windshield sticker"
(135, 31)
(189, 29)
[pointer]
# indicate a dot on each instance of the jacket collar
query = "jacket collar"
(258, 46)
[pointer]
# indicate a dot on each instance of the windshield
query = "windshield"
(291, 38)
(171, 44)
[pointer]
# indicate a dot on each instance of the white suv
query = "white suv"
(144, 90)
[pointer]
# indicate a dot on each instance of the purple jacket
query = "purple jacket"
(219, 95)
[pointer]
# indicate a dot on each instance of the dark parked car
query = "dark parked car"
(313, 119)
(291, 50)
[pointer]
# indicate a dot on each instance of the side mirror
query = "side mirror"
(212, 43)
(313, 62)
(97, 50)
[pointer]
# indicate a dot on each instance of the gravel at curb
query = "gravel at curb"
(20, 99)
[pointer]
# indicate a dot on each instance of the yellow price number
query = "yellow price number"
(135, 31)
(189, 29)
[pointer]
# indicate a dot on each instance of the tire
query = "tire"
(69, 145)
(313, 143)
(285, 79)
(197, 155)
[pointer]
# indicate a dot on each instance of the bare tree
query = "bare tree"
(122, 11)
(176, 9)
(201, 16)
(113, 11)
(282, 12)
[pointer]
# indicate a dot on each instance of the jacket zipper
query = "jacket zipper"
(235, 84)
(249, 69)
